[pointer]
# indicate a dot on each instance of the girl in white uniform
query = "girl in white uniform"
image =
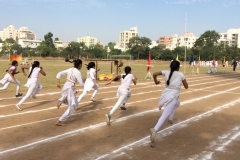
(9, 78)
(69, 90)
(123, 92)
(90, 82)
(170, 95)
(33, 86)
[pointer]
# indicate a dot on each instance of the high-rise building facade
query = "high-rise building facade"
(188, 40)
(231, 38)
(88, 40)
(22, 33)
(125, 36)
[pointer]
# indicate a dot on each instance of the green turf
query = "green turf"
(52, 67)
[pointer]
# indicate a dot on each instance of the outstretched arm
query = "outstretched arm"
(25, 67)
(134, 80)
(155, 77)
(117, 76)
(42, 71)
(185, 84)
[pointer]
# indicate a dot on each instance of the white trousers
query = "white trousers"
(10, 80)
(168, 112)
(33, 89)
(124, 95)
(84, 93)
(69, 98)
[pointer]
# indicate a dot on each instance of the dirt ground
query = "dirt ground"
(205, 126)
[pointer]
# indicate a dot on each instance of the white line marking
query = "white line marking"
(217, 145)
(71, 133)
(175, 126)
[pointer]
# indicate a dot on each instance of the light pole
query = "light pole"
(79, 51)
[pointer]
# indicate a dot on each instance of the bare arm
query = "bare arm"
(185, 84)
(117, 76)
(42, 71)
(25, 67)
(155, 77)
(134, 80)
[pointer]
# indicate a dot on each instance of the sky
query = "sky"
(104, 19)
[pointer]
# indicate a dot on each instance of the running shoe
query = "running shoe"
(108, 117)
(18, 107)
(152, 134)
(19, 95)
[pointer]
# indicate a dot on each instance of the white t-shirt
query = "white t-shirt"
(127, 81)
(73, 75)
(175, 81)
(33, 77)
(13, 69)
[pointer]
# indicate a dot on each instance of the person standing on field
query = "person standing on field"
(170, 95)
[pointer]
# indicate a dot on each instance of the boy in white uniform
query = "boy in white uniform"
(170, 95)
(123, 92)
(69, 90)
(9, 78)
(90, 82)
(33, 86)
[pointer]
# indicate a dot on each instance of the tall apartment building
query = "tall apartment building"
(232, 37)
(22, 33)
(124, 37)
(164, 40)
(187, 39)
(89, 41)
(9, 32)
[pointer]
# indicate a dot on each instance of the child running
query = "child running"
(170, 95)
(90, 82)
(33, 86)
(9, 78)
(123, 92)
(69, 90)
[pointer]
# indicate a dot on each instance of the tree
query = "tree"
(206, 45)
(157, 51)
(139, 46)
(10, 46)
(47, 46)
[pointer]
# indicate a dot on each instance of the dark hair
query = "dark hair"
(174, 66)
(14, 63)
(127, 70)
(90, 65)
(35, 64)
(76, 62)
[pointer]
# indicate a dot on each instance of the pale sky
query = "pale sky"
(104, 19)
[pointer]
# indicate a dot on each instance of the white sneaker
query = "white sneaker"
(108, 117)
(152, 134)
(92, 99)
(18, 107)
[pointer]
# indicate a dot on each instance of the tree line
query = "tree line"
(206, 46)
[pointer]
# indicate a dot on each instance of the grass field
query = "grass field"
(52, 67)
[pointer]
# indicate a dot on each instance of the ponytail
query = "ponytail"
(90, 65)
(35, 64)
(127, 70)
(174, 67)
